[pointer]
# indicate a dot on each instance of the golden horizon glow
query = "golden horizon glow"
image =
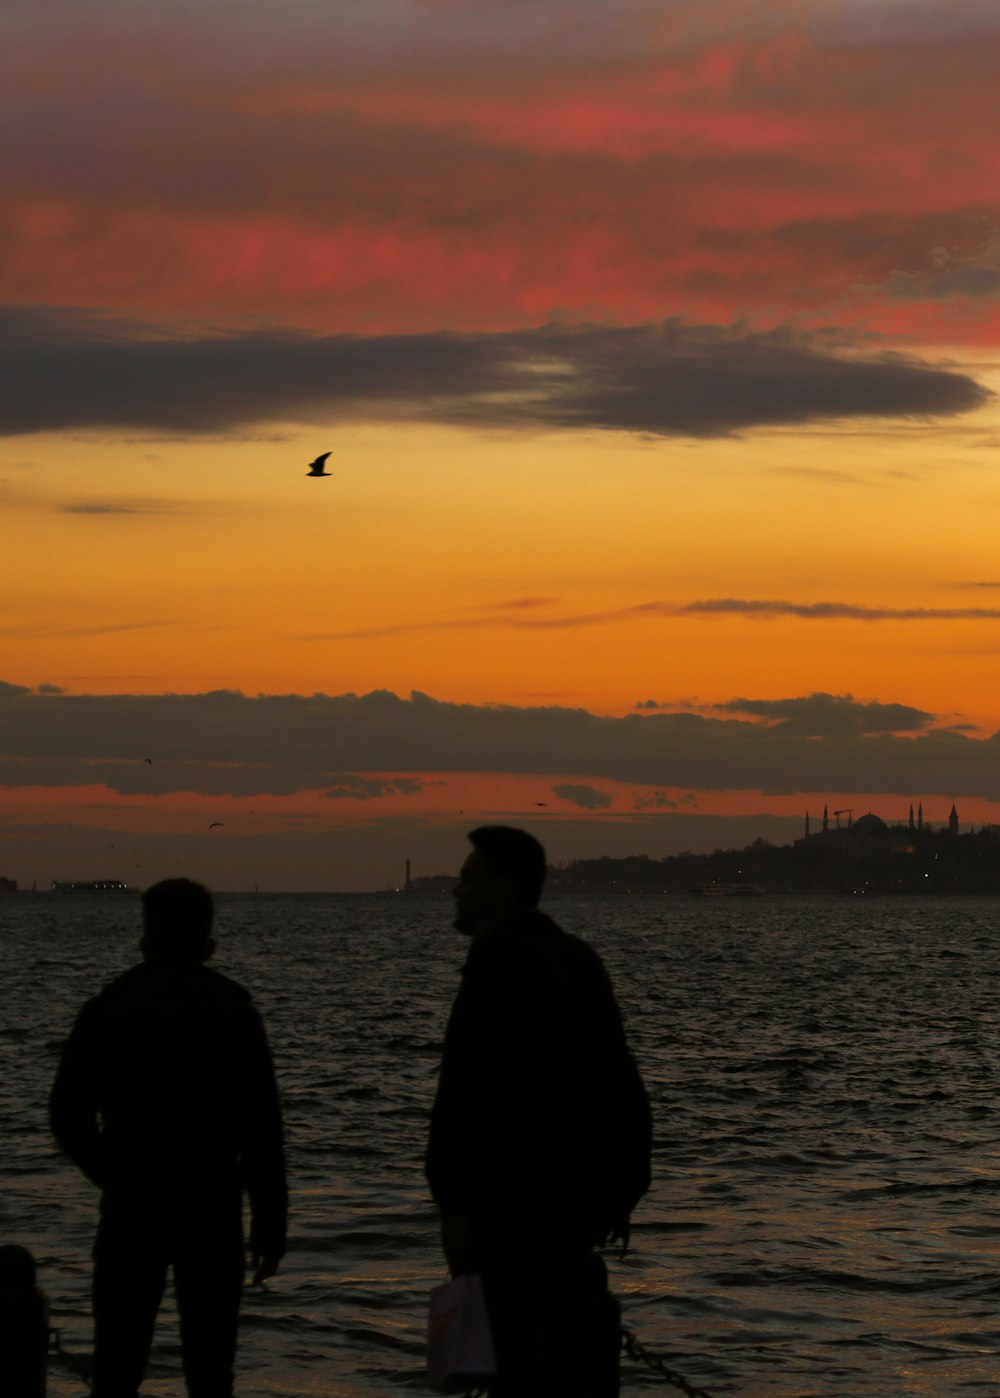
(437, 560)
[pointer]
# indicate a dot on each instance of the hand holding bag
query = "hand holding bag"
(459, 1343)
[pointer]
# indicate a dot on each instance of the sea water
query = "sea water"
(824, 1077)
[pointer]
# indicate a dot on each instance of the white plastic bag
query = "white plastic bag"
(459, 1343)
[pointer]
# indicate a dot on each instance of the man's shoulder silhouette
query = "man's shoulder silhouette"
(150, 983)
(534, 967)
(165, 1006)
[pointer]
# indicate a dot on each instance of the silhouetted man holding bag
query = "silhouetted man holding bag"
(166, 1099)
(540, 1135)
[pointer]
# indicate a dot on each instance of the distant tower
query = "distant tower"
(826, 819)
(912, 826)
(953, 821)
(406, 885)
(807, 825)
(920, 816)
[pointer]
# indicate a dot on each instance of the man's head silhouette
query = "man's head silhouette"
(177, 915)
(502, 877)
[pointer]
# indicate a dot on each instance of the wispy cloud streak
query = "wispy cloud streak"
(761, 609)
(832, 611)
(62, 631)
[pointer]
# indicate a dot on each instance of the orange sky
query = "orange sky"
(723, 473)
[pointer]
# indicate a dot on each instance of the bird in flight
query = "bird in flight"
(215, 824)
(316, 467)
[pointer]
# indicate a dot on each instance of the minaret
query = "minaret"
(406, 885)
(912, 826)
(953, 821)
(807, 825)
(826, 819)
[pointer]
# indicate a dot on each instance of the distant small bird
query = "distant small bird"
(148, 761)
(214, 824)
(541, 803)
(316, 467)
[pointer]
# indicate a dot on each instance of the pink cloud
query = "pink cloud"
(746, 160)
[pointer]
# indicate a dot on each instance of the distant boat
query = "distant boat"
(92, 886)
(710, 890)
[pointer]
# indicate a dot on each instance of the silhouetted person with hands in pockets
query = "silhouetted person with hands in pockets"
(165, 1098)
(540, 1136)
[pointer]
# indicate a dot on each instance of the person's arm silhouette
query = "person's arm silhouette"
(262, 1156)
(73, 1103)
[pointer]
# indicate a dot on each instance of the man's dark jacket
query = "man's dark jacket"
(541, 1121)
(165, 1097)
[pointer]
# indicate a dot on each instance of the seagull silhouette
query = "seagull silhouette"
(316, 467)
(214, 824)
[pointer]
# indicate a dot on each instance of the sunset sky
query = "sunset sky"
(656, 344)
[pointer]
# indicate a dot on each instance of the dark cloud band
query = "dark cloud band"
(226, 742)
(68, 370)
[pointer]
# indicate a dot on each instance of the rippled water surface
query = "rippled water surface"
(824, 1074)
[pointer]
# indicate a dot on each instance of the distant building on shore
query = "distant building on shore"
(8, 885)
(428, 885)
(870, 834)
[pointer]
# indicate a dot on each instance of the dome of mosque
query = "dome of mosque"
(870, 824)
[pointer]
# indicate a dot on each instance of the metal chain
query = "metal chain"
(635, 1350)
